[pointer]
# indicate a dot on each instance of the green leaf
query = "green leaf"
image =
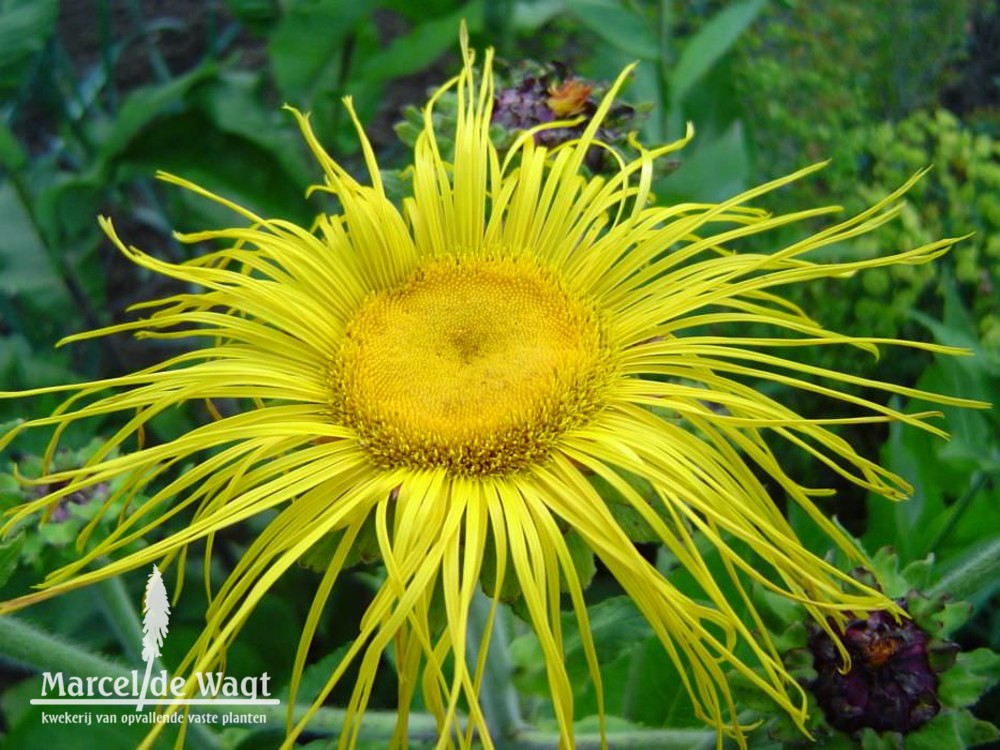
(10, 553)
(190, 145)
(25, 727)
(256, 14)
(309, 46)
(618, 25)
(885, 565)
(616, 626)
(975, 575)
(711, 42)
(145, 105)
(234, 102)
(24, 263)
(315, 676)
(872, 740)
(908, 526)
(715, 171)
(951, 730)
(973, 674)
(422, 45)
(66, 207)
(364, 549)
(779, 613)
(918, 574)
(583, 558)
(510, 591)
(12, 156)
(749, 696)
(938, 615)
(25, 27)
(958, 328)
(417, 12)
(529, 16)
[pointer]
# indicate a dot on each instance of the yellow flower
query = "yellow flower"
(454, 373)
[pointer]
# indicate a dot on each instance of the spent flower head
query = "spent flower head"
(556, 106)
(454, 374)
(889, 686)
(887, 680)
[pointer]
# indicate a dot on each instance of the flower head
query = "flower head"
(550, 96)
(455, 372)
(890, 685)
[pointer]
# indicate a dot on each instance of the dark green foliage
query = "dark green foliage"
(843, 81)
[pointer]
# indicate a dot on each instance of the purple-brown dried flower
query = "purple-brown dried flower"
(890, 686)
(541, 94)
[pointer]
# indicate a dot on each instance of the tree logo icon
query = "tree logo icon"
(155, 619)
(207, 691)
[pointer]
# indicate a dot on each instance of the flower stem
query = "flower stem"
(122, 616)
(28, 646)
(497, 696)
(638, 739)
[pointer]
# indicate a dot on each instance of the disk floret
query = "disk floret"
(476, 364)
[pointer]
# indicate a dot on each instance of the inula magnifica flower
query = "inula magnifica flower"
(455, 372)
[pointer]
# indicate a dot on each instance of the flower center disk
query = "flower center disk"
(477, 365)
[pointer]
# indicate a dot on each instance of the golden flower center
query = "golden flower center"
(477, 365)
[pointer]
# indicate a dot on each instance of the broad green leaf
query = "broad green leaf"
(145, 105)
(952, 730)
(12, 156)
(618, 25)
(872, 740)
(973, 674)
(422, 45)
(917, 574)
(68, 206)
(715, 171)
(25, 366)
(10, 553)
(909, 525)
(975, 575)
(711, 42)
(530, 15)
(235, 105)
(958, 328)
(314, 677)
(422, 11)
(616, 626)
(191, 146)
(654, 693)
(510, 591)
(25, 27)
(310, 44)
(34, 732)
(582, 556)
(973, 442)
(25, 267)
(256, 14)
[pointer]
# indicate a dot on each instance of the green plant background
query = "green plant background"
(94, 97)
